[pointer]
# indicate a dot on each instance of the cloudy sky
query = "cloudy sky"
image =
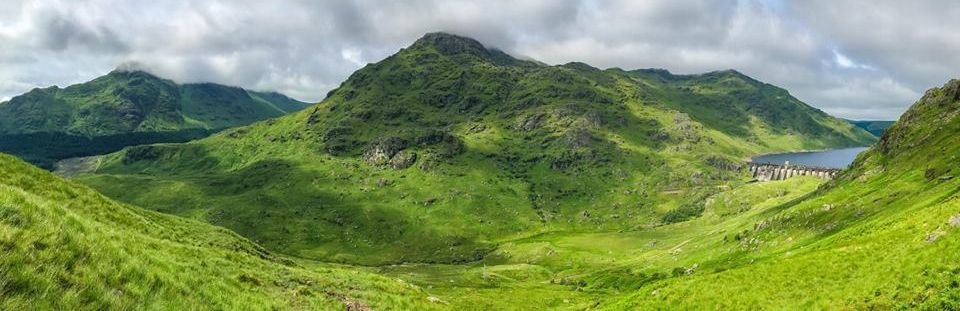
(854, 59)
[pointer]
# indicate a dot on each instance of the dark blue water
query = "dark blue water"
(836, 158)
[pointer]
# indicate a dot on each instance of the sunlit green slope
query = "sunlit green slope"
(573, 270)
(885, 235)
(64, 246)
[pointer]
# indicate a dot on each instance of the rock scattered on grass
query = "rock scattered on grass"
(934, 236)
(955, 220)
(350, 303)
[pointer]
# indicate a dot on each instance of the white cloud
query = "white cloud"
(353, 56)
(845, 62)
(914, 41)
(305, 48)
(868, 98)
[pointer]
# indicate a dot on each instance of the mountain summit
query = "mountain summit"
(449, 44)
(438, 152)
(452, 45)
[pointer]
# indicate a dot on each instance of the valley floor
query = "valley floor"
(587, 270)
(883, 242)
(774, 245)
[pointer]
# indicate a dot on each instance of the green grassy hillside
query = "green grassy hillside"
(884, 235)
(446, 149)
(125, 108)
(67, 247)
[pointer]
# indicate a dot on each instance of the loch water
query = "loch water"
(835, 158)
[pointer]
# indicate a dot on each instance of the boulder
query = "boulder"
(382, 150)
(403, 159)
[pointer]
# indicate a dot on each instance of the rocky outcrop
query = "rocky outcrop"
(398, 153)
(723, 164)
(382, 151)
(579, 138)
(441, 143)
(403, 159)
(529, 122)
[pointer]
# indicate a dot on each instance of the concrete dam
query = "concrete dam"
(768, 172)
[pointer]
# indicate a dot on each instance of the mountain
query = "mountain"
(446, 149)
(67, 247)
(885, 235)
(125, 108)
(874, 127)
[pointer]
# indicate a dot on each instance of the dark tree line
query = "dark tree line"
(45, 149)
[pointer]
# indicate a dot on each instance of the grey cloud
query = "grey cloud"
(58, 34)
(305, 48)
(912, 43)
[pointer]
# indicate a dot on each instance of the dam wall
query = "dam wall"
(768, 172)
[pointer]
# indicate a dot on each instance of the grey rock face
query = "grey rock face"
(403, 159)
(382, 150)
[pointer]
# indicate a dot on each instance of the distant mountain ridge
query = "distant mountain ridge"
(874, 127)
(123, 108)
(137, 101)
(438, 151)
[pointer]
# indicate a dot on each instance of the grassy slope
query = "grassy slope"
(504, 148)
(883, 236)
(570, 270)
(65, 246)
